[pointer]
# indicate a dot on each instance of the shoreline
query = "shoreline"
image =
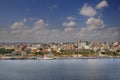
(39, 58)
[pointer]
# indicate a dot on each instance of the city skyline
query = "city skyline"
(59, 20)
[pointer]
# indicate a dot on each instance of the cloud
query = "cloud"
(69, 24)
(83, 31)
(70, 18)
(93, 23)
(19, 25)
(87, 10)
(68, 29)
(41, 32)
(106, 34)
(94, 29)
(39, 25)
(20, 28)
(102, 4)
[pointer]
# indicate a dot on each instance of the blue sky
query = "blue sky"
(59, 20)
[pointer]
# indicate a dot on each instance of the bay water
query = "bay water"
(60, 69)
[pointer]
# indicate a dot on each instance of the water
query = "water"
(63, 69)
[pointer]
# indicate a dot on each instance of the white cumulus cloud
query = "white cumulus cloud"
(39, 25)
(18, 25)
(87, 10)
(69, 24)
(68, 29)
(93, 23)
(40, 32)
(102, 4)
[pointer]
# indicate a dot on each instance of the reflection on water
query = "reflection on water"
(64, 69)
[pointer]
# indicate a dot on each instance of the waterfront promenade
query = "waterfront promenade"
(57, 57)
